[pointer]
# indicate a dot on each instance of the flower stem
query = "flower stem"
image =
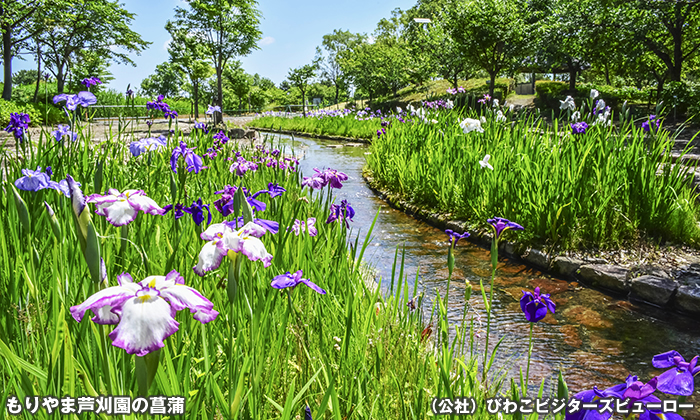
(494, 263)
(529, 355)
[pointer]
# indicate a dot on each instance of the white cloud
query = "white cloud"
(267, 40)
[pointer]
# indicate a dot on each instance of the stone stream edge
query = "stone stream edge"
(656, 287)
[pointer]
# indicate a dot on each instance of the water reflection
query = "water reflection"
(593, 338)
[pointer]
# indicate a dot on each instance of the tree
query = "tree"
(225, 29)
(561, 28)
(378, 64)
(668, 29)
(24, 77)
(490, 33)
(300, 78)
(89, 64)
(166, 81)
(239, 81)
(190, 58)
(17, 26)
(331, 70)
(432, 46)
(100, 26)
(263, 82)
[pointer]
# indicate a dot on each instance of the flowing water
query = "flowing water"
(593, 339)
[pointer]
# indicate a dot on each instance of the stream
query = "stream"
(592, 338)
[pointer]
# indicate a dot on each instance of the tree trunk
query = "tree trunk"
(195, 86)
(60, 79)
(7, 61)
(572, 79)
(659, 88)
(337, 91)
(219, 95)
(38, 72)
(303, 103)
(455, 81)
(492, 85)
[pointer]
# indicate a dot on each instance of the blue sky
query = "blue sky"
(291, 30)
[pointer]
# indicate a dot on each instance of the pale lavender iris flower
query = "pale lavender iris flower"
(84, 99)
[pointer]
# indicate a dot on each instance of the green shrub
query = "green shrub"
(549, 93)
(683, 96)
(8, 107)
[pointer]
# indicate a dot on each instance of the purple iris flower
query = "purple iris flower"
(192, 160)
(84, 99)
(293, 280)
(197, 211)
(486, 99)
(333, 177)
(269, 225)
(221, 137)
(170, 114)
(38, 180)
(647, 125)
(535, 306)
(579, 127)
(225, 203)
(639, 392)
(158, 104)
(177, 210)
(300, 226)
(146, 145)
(91, 81)
(273, 189)
(19, 122)
(679, 379)
(213, 109)
(343, 212)
(500, 225)
(201, 126)
(241, 166)
(593, 395)
(33, 180)
(315, 182)
(454, 236)
(633, 391)
(64, 130)
(61, 186)
(129, 93)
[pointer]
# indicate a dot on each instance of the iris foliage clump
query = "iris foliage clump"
(577, 182)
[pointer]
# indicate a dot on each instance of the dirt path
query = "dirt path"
(131, 129)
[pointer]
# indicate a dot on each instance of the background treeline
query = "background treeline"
(642, 50)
